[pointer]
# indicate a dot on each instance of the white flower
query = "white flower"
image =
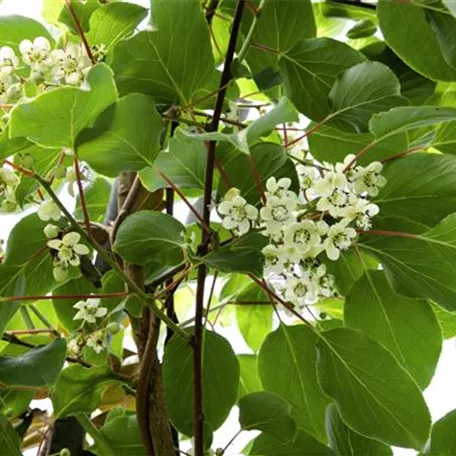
(8, 86)
(71, 178)
(332, 181)
(71, 64)
(51, 231)
(8, 60)
(275, 258)
(73, 347)
(8, 181)
(325, 285)
(361, 213)
(99, 52)
(278, 212)
(238, 214)
(89, 310)
(339, 237)
(68, 249)
(299, 289)
(48, 210)
(96, 342)
(279, 188)
(370, 180)
(307, 176)
(303, 236)
(312, 267)
(37, 54)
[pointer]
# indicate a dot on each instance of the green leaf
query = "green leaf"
(126, 137)
(173, 62)
(302, 445)
(406, 118)
(147, 234)
(375, 396)
(236, 260)
(333, 145)
(447, 321)
(420, 265)
(122, 433)
(10, 442)
(403, 23)
(287, 366)
(408, 194)
(17, 401)
(83, 12)
(96, 198)
(14, 29)
(55, 118)
(359, 92)
(349, 268)
(220, 381)
(270, 160)
(80, 389)
(249, 381)
(254, 316)
(362, 29)
(114, 22)
(37, 367)
(269, 413)
(276, 31)
(184, 163)
(346, 442)
(9, 309)
(310, 69)
(442, 441)
(407, 327)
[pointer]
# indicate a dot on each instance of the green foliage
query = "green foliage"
(442, 441)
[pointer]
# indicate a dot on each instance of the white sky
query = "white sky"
(440, 395)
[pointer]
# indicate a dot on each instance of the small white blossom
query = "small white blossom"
(71, 178)
(325, 284)
(279, 188)
(48, 210)
(37, 55)
(275, 258)
(307, 176)
(370, 179)
(278, 212)
(361, 213)
(303, 236)
(68, 249)
(96, 342)
(71, 64)
(8, 182)
(73, 347)
(339, 238)
(8, 87)
(51, 231)
(299, 289)
(237, 214)
(89, 310)
(8, 60)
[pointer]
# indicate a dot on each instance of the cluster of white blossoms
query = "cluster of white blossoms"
(46, 66)
(8, 184)
(304, 228)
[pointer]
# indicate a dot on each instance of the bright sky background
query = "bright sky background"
(440, 395)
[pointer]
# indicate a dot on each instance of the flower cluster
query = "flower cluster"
(8, 183)
(47, 67)
(306, 227)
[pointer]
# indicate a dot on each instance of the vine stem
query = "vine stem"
(403, 153)
(251, 32)
(85, 211)
(389, 233)
(307, 133)
(119, 294)
(80, 31)
(198, 417)
(103, 444)
(149, 300)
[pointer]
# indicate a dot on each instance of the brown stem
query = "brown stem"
(198, 416)
(25, 172)
(119, 294)
(211, 9)
(256, 177)
(80, 31)
(389, 233)
(403, 153)
(85, 211)
(307, 133)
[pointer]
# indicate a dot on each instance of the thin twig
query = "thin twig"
(248, 39)
(85, 211)
(119, 294)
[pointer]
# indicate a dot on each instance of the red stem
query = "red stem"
(401, 154)
(23, 171)
(81, 195)
(256, 177)
(389, 233)
(307, 133)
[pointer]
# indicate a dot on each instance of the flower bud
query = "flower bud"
(65, 452)
(28, 161)
(113, 327)
(60, 274)
(9, 206)
(51, 231)
(231, 194)
(60, 172)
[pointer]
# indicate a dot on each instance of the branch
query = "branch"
(198, 417)
(251, 32)
(211, 9)
(119, 294)
(85, 212)
(353, 3)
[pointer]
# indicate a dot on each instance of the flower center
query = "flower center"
(280, 213)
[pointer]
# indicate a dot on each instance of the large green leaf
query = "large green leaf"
(276, 31)
(302, 445)
(14, 29)
(420, 265)
(346, 442)
(333, 145)
(421, 187)
(443, 438)
(360, 92)
(287, 366)
(184, 163)
(220, 381)
(114, 22)
(146, 234)
(267, 412)
(80, 389)
(407, 327)
(249, 381)
(403, 23)
(10, 442)
(55, 118)
(38, 367)
(374, 394)
(447, 321)
(310, 69)
(126, 137)
(171, 63)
